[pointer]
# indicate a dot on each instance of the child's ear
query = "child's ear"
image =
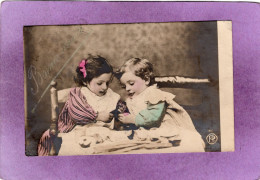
(147, 82)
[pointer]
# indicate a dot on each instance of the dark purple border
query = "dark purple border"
(244, 163)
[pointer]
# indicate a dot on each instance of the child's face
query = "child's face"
(99, 85)
(133, 84)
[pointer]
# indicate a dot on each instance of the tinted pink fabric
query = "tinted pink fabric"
(76, 111)
(83, 68)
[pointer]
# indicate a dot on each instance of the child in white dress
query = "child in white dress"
(153, 111)
(88, 104)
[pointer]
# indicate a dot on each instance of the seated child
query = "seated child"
(154, 111)
(91, 102)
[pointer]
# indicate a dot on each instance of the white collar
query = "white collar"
(148, 90)
(105, 103)
(87, 92)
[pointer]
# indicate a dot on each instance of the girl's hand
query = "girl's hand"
(105, 116)
(126, 118)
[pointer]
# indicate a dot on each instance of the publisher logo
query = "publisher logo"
(212, 138)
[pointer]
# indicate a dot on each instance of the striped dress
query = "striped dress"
(76, 111)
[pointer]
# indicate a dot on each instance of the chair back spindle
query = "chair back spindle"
(54, 116)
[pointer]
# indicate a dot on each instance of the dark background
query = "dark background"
(185, 49)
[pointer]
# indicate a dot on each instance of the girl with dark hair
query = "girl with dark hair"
(91, 102)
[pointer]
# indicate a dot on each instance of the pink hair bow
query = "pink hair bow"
(83, 68)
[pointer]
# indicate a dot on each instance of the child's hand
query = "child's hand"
(105, 116)
(126, 118)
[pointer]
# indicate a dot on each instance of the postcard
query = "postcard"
(129, 90)
(173, 81)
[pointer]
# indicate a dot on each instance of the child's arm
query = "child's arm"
(126, 118)
(150, 117)
(104, 116)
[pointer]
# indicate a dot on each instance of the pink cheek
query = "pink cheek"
(96, 88)
(137, 86)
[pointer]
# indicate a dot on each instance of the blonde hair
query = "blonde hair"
(140, 67)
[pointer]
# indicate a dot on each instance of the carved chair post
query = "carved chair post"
(54, 116)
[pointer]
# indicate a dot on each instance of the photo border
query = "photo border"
(226, 94)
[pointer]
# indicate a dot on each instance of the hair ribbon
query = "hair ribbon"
(83, 68)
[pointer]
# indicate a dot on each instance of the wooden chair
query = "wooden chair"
(60, 96)
(163, 82)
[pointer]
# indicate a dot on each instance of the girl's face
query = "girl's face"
(99, 85)
(133, 84)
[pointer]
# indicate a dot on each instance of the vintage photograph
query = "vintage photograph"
(136, 88)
